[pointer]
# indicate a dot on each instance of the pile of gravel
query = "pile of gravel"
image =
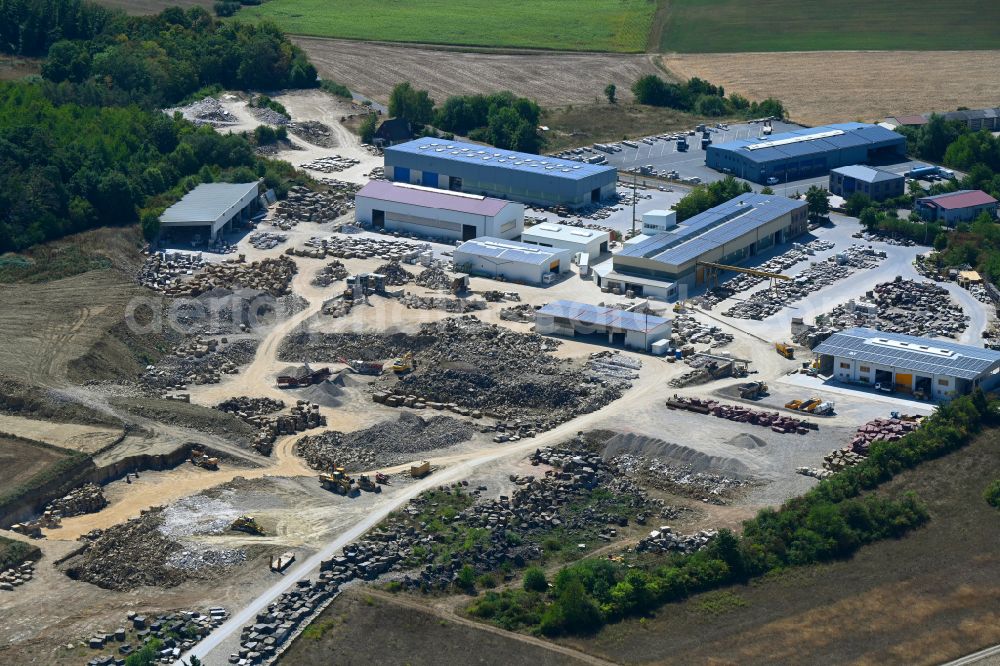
(395, 274)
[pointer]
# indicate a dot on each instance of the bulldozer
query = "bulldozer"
(785, 350)
(403, 364)
(366, 484)
(247, 524)
(200, 459)
(339, 482)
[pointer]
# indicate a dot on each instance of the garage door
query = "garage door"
(402, 174)
(904, 382)
(429, 179)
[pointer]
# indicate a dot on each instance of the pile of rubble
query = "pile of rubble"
(762, 304)
(88, 498)
(16, 576)
(777, 264)
(505, 373)
(266, 114)
(740, 414)
(433, 277)
(207, 111)
(453, 305)
(271, 276)
(523, 313)
(387, 443)
(710, 486)
(902, 306)
(359, 247)
(138, 553)
(378, 173)
(263, 240)
(162, 270)
(305, 205)
(613, 365)
(330, 164)
(177, 632)
(887, 430)
(314, 132)
(395, 274)
(260, 413)
(494, 296)
(687, 329)
(664, 540)
(200, 361)
(332, 272)
(338, 306)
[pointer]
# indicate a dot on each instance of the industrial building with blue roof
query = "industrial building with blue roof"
(934, 369)
(726, 234)
(806, 152)
(489, 171)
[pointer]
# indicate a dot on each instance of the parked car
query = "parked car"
(772, 181)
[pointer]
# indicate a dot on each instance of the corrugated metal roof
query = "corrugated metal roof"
(472, 153)
(498, 248)
(603, 316)
(207, 202)
(552, 231)
(907, 352)
(710, 229)
(429, 197)
(959, 199)
(811, 141)
(866, 174)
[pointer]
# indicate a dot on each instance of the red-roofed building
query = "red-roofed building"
(436, 214)
(955, 207)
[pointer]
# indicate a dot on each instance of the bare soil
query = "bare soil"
(84, 438)
(836, 86)
(924, 599)
(17, 67)
(373, 68)
(20, 460)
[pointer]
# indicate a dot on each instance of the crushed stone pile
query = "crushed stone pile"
(387, 443)
(314, 132)
(207, 111)
(433, 278)
(395, 274)
(332, 272)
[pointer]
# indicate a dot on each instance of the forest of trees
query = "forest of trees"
(703, 98)
(87, 145)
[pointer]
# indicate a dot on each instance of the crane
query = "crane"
(714, 269)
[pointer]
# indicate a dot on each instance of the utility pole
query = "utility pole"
(633, 203)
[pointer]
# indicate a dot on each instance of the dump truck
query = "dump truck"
(682, 145)
(339, 482)
(247, 524)
(200, 459)
(785, 350)
(752, 390)
(366, 483)
(793, 404)
(403, 364)
(810, 405)
(421, 469)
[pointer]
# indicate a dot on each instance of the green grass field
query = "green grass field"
(728, 26)
(571, 25)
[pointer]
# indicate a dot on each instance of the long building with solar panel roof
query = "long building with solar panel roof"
(726, 234)
(489, 171)
(927, 368)
(806, 152)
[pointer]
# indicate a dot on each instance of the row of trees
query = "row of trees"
(702, 197)
(830, 521)
(500, 119)
(703, 98)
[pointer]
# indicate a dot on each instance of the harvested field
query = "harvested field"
(927, 598)
(551, 79)
(21, 459)
(405, 632)
(825, 87)
(154, 6)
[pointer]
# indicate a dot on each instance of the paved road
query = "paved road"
(988, 657)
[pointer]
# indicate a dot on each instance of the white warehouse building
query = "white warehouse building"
(435, 213)
(633, 330)
(934, 369)
(511, 260)
(212, 207)
(562, 236)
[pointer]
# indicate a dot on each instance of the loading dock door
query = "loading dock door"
(904, 382)
(378, 219)
(468, 232)
(554, 266)
(401, 174)
(429, 179)
(595, 195)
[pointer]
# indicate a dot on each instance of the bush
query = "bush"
(992, 494)
(336, 89)
(225, 9)
(534, 580)
(466, 578)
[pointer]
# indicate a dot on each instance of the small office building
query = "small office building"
(434, 213)
(211, 208)
(928, 368)
(575, 239)
(633, 330)
(955, 207)
(877, 184)
(511, 260)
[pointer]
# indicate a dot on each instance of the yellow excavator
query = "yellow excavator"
(339, 482)
(403, 364)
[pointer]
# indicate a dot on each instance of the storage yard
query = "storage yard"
(331, 404)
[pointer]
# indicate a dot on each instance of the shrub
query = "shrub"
(992, 494)
(534, 580)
